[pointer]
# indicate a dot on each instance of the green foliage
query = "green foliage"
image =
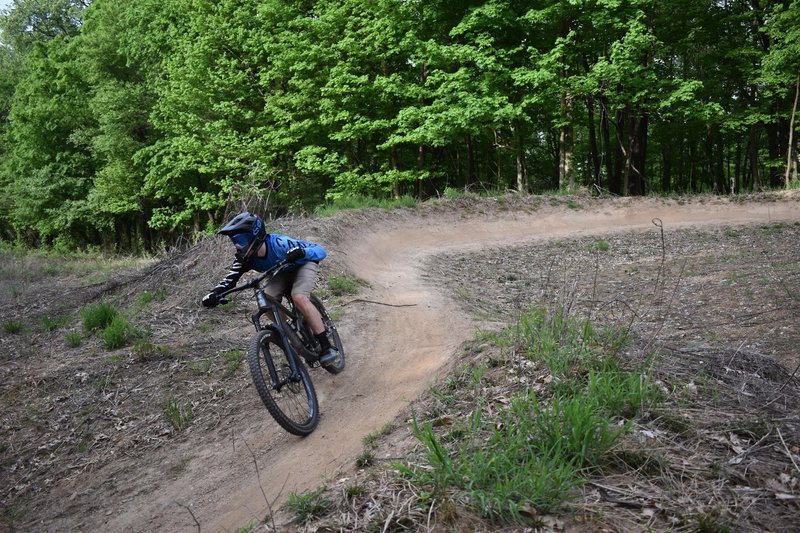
(74, 339)
(232, 361)
(533, 452)
(307, 506)
(601, 245)
(13, 326)
(115, 329)
(118, 333)
(52, 323)
(179, 416)
(98, 316)
(126, 124)
(201, 367)
(144, 350)
(365, 458)
(353, 201)
(342, 285)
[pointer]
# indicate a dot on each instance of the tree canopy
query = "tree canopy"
(126, 123)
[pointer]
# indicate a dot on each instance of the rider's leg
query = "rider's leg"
(278, 286)
(304, 282)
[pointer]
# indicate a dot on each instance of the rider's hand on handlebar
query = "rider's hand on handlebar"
(295, 254)
(211, 300)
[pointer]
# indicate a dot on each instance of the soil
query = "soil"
(87, 444)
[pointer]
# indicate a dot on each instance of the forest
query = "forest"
(128, 125)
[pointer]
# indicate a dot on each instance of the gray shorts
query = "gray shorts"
(302, 281)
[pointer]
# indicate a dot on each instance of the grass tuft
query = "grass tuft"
(179, 416)
(344, 285)
(118, 333)
(74, 339)
(98, 316)
(308, 506)
(13, 327)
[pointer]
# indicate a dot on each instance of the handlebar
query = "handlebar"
(271, 272)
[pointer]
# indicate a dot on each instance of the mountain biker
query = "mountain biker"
(258, 250)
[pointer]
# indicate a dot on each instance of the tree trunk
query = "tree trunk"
(519, 148)
(608, 148)
(566, 173)
(736, 179)
(593, 152)
(638, 155)
(421, 168)
(666, 166)
(395, 164)
(421, 193)
(756, 182)
(791, 144)
(774, 152)
(617, 185)
(472, 173)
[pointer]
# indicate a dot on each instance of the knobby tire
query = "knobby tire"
(337, 366)
(295, 406)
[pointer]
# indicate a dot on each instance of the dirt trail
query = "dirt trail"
(396, 349)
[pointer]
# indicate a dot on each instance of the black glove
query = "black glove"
(295, 254)
(210, 300)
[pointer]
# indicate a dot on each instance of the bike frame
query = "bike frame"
(270, 304)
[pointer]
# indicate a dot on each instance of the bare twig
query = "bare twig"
(260, 486)
(785, 383)
(191, 513)
(788, 453)
(660, 225)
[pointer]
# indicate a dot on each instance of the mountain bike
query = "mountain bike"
(280, 351)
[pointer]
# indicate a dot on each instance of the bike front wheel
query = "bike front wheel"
(287, 393)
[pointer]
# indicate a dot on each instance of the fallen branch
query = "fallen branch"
(377, 303)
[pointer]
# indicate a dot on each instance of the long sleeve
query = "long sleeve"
(229, 281)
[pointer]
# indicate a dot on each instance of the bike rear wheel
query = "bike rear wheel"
(288, 396)
(337, 366)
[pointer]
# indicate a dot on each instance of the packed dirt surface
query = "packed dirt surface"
(87, 445)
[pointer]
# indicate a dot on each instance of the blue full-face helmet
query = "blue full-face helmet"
(247, 232)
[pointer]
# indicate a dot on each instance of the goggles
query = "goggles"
(242, 241)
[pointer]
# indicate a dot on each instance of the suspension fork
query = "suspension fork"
(278, 327)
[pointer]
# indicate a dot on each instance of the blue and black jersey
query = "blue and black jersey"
(277, 246)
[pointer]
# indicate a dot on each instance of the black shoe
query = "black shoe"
(328, 356)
